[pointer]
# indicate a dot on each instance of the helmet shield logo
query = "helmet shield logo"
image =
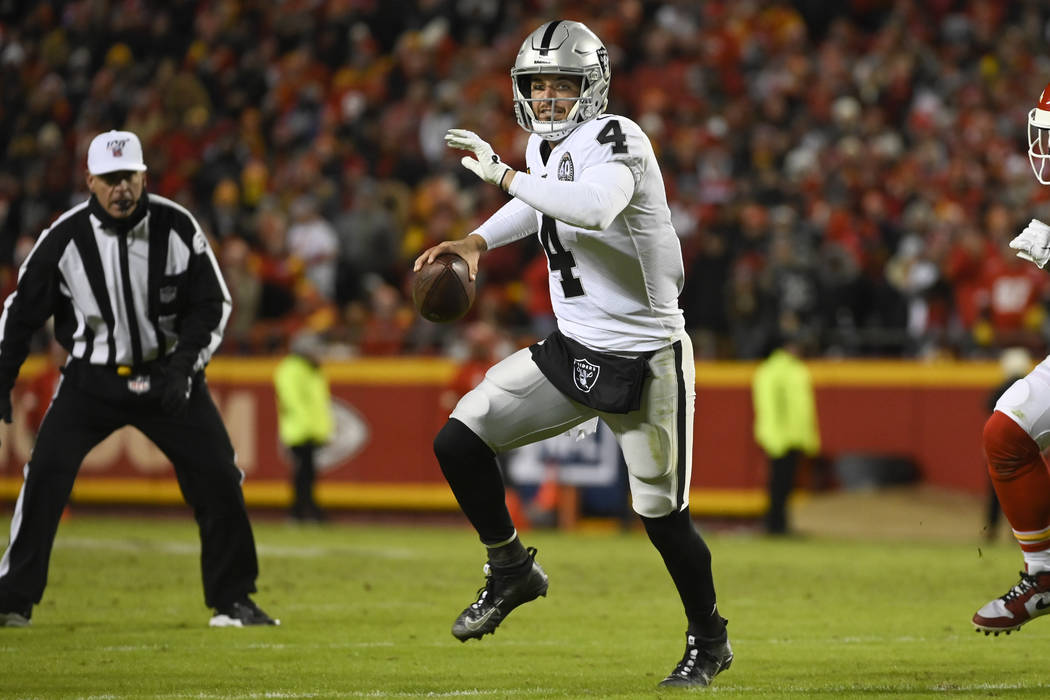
(603, 60)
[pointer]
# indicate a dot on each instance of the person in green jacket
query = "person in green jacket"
(304, 417)
(785, 424)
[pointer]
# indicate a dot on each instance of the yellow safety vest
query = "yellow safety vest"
(785, 406)
(304, 403)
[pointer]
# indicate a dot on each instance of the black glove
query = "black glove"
(176, 387)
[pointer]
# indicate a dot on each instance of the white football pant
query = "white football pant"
(1027, 403)
(515, 405)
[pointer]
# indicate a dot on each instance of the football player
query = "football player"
(1019, 430)
(594, 194)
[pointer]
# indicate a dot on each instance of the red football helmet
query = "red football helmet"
(1039, 138)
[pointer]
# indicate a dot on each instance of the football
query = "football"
(442, 290)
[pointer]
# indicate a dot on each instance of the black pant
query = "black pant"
(781, 482)
(305, 507)
(200, 450)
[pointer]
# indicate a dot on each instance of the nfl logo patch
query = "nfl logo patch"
(584, 374)
(138, 385)
(117, 147)
(200, 243)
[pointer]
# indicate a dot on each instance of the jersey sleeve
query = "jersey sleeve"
(511, 222)
(605, 165)
(590, 203)
(619, 140)
(209, 305)
(29, 306)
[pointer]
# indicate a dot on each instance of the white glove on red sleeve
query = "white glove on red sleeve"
(1033, 243)
(488, 165)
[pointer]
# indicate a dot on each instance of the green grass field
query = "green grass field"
(366, 612)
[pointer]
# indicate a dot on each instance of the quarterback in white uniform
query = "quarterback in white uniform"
(597, 200)
(594, 195)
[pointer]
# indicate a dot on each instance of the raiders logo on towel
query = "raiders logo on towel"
(574, 369)
(585, 374)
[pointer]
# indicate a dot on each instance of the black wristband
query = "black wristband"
(502, 178)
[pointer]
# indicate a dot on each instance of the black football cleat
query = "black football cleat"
(700, 664)
(241, 613)
(497, 598)
(16, 618)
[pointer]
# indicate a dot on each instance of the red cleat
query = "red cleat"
(1029, 599)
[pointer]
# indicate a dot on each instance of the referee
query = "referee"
(140, 305)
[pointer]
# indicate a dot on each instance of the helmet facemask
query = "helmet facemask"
(528, 109)
(1039, 144)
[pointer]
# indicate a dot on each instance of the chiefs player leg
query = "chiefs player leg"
(1013, 440)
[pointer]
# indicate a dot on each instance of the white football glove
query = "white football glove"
(1033, 243)
(488, 166)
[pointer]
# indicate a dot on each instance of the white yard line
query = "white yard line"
(842, 690)
(278, 695)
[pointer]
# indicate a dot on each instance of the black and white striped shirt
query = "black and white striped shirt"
(121, 292)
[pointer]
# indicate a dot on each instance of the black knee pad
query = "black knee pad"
(456, 444)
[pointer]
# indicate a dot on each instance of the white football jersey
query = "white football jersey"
(616, 289)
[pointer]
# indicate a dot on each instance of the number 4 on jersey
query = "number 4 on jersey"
(612, 133)
(559, 259)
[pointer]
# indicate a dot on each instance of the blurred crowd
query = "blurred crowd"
(847, 173)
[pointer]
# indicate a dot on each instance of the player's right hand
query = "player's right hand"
(469, 248)
(1033, 243)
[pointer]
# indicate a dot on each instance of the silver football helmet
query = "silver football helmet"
(1039, 138)
(567, 48)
